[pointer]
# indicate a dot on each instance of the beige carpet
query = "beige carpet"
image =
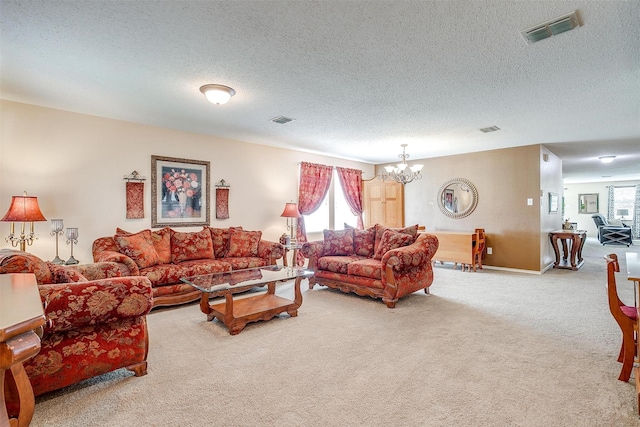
(491, 348)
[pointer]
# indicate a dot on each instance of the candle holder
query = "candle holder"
(56, 230)
(72, 237)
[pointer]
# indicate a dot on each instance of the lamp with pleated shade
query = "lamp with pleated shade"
(23, 209)
(291, 211)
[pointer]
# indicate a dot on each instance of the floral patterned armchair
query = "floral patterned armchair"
(96, 320)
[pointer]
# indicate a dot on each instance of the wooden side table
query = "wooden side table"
(570, 260)
(21, 314)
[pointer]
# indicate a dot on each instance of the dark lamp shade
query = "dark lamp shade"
(623, 212)
(291, 211)
(23, 209)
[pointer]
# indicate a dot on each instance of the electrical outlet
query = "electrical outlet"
(489, 251)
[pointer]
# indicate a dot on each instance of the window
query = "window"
(334, 211)
(623, 198)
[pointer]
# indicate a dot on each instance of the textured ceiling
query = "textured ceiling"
(359, 78)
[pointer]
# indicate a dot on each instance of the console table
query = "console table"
(21, 314)
(570, 260)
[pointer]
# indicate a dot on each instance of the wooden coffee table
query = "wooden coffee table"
(235, 314)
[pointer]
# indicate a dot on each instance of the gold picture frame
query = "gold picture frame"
(180, 192)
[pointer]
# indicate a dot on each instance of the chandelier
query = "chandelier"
(402, 172)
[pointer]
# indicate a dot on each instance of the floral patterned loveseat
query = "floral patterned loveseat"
(165, 256)
(96, 320)
(378, 262)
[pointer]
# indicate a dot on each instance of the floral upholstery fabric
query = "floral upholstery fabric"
(62, 274)
(115, 256)
(70, 306)
(380, 229)
(191, 246)
(165, 274)
(244, 243)
(366, 268)
(338, 242)
(240, 263)
(161, 240)
(139, 247)
(364, 241)
(366, 282)
(101, 270)
(270, 251)
(220, 238)
(392, 240)
(12, 261)
(68, 357)
(337, 264)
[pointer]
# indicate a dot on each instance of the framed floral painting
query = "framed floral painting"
(179, 192)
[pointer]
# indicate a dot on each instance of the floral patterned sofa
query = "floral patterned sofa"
(378, 262)
(96, 320)
(164, 256)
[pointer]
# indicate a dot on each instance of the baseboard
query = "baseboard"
(515, 270)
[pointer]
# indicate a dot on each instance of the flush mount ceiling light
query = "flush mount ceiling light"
(551, 28)
(217, 94)
(607, 159)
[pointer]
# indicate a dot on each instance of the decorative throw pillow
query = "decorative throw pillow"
(363, 241)
(161, 240)
(392, 240)
(244, 243)
(190, 246)
(380, 229)
(220, 237)
(138, 247)
(338, 242)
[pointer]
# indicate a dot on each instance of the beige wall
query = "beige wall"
(74, 164)
(505, 179)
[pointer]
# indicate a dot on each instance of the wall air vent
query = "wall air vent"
(490, 129)
(551, 28)
(281, 120)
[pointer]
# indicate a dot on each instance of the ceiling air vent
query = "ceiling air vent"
(281, 120)
(490, 129)
(551, 28)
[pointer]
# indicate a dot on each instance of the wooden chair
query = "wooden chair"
(479, 248)
(626, 316)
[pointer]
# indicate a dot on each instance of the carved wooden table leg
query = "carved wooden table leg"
(20, 316)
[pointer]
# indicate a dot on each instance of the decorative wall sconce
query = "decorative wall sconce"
(23, 209)
(56, 230)
(72, 238)
(291, 211)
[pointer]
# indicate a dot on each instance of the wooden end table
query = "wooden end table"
(235, 314)
(571, 260)
(21, 315)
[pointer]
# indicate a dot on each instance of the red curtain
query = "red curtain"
(314, 184)
(351, 181)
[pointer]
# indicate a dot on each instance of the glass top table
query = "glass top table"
(235, 314)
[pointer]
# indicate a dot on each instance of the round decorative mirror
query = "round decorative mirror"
(457, 198)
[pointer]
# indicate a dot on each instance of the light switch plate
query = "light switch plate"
(529, 202)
